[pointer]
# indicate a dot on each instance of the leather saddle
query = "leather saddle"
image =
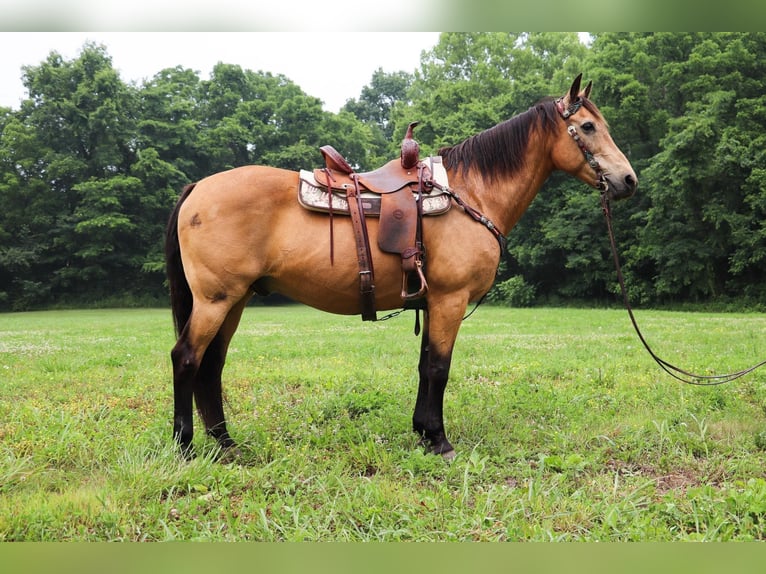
(339, 176)
(395, 193)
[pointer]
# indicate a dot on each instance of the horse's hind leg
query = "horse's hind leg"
(207, 389)
(187, 357)
(207, 385)
(184, 370)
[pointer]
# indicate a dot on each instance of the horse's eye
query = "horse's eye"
(588, 127)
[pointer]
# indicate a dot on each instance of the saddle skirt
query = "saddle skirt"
(316, 197)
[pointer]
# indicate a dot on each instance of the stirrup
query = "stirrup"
(406, 295)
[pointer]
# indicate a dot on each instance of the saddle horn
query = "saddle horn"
(410, 148)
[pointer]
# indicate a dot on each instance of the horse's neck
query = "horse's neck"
(505, 199)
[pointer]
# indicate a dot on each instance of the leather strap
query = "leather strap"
(412, 258)
(363, 254)
(330, 178)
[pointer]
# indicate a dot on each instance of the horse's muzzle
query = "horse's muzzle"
(623, 188)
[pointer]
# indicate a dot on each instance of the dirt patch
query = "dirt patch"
(678, 479)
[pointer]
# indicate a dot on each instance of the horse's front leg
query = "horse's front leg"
(433, 370)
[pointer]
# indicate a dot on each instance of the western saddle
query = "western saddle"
(395, 193)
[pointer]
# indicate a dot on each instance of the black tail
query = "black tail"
(180, 293)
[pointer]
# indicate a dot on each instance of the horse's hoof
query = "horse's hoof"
(441, 447)
(229, 455)
(187, 453)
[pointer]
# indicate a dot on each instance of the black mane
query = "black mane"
(499, 151)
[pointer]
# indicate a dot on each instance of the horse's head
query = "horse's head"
(586, 150)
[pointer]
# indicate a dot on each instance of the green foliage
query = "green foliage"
(514, 292)
(377, 100)
(90, 167)
(698, 236)
(469, 82)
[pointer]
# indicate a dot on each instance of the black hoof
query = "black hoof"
(229, 454)
(440, 446)
(187, 452)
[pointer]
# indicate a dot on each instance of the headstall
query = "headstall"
(565, 113)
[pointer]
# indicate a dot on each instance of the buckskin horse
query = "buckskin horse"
(242, 232)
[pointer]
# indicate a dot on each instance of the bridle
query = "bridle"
(565, 113)
(679, 374)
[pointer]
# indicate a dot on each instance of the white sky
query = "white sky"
(333, 72)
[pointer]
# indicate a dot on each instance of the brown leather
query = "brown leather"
(401, 213)
(389, 178)
(335, 161)
(398, 221)
(363, 255)
(410, 154)
(386, 179)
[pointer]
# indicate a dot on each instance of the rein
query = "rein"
(679, 374)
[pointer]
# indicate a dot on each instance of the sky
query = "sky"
(333, 72)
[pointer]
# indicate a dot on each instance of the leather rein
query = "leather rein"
(675, 372)
(602, 184)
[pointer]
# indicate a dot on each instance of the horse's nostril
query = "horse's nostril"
(631, 182)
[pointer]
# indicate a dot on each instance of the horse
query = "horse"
(241, 232)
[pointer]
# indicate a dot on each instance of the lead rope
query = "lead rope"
(673, 371)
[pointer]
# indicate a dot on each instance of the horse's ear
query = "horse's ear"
(574, 91)
(586, 93)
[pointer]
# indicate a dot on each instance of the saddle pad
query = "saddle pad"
(316, 198)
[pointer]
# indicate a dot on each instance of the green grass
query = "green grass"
(565, 430)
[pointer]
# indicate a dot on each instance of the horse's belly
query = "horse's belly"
(336, 288)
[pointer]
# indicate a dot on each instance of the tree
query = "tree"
(249, 118)
(28, 214)
(378, 99)
(704, 183)
(87, 204)
(73, 136)
(471, 81)
(169, 123)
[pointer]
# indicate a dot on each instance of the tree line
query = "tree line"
(90, 166)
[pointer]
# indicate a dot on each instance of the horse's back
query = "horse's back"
(246, 183)
(230, 202)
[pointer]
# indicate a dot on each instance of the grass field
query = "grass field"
(565, 430)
